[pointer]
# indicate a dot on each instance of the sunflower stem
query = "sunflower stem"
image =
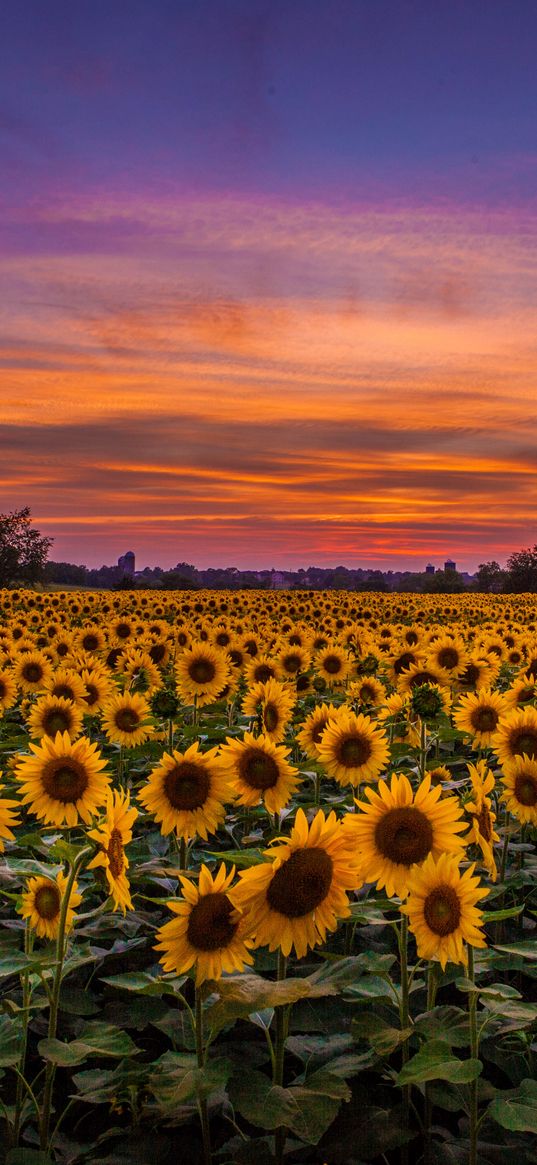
(202, 1102)
(282, 1024)
(432, 987)
(61, 946)
(423, 749)
(404, 1014)
(474, 1052)
(182, 854)
(26, 997)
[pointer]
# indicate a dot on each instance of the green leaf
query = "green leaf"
(526, 949)
(307, 1109)
(434, 1061)
(446, 1024)
(516, 1110)
(98, 1039)
(241, 858)
(177, 1079)
(144, 984)
(241, 995)
(381, 1035)
(499, 915)
(10, 1041)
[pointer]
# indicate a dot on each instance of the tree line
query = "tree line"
(24, 558)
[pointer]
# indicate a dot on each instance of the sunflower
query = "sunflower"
(480, 807)
(126, 719)
(67, 683)
(63, 781)
(294, 899)
(42, 904)
(188, 792)
(32, 670)
(418, 674)
(141, 674)
(261, 669)
(399, 829)
(478, 673)
(112, 836)
(309, 736)
(441, 909)
(523, 691)
(439, 774)
(273, 704)
(8, 689)
(352, 749)
(52, 714)
(429, 701)
(90, 638)
(516, 735)
(202, 672)
(259, 770)
(98, 689)
(449, 653)
(209, 931)
(366, 692)
(479, 715)
(334, 664)
(520, 788)
(8, 819)
(293, 660)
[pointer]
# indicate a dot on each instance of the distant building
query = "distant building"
(126, 562)
(429, 569)
(449, 564)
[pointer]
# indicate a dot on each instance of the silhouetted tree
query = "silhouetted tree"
(522, 571)
(23, 551)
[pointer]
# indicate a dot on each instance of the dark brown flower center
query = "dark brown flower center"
(523, 741)
(127, 719)
(470, 675)
(263, 672)
(48, 901)
(157, 652)
(292, 662)
(223, 638)
(3, 689)
(526, 789)
(332, 664)
(56, 721)
(403, 661)
(65, 779)
(64, 690)
(123, 630)
(525, 695)
(484, 822)
(258, 769)
(404, 836)
(271, 717)
(90, 642)
(422, 677)
(187, 786)
(115, 853)
(201, 671)
(442, 910)
(354, 751)
(448, 657)
(484, 718)
(211, 924)
(318, 730)
(32, 672)
(92, 695)
(301, 883)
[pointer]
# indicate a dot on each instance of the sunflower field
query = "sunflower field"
(268, 878)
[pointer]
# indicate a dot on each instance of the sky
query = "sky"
(268, 275)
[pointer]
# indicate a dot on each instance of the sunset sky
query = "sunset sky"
(268, 279)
